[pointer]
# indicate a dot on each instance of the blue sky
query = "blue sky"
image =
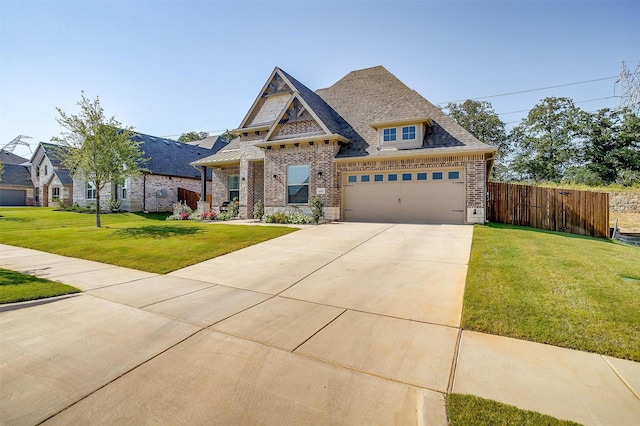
(167, 67)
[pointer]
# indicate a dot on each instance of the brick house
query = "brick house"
(16, 187)
(165, 170)
(369, 147)
(51, 181)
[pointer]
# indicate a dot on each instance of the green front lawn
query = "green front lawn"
(565, 290)
(140, 241)
(468, 410)
(17, 287)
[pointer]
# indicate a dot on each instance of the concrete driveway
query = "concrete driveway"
(346, 323)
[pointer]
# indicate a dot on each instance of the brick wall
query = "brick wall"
(297, 128)
(220, 185)
(318, 156)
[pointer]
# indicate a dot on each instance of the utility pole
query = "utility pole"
(630, 88)
(11, 146)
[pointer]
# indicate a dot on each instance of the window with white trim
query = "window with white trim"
(409, 133)
(91, 191)
(124, 189)
(55, 193)
(389, 135)
(298, 184)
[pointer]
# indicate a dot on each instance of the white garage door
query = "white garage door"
(433, 196)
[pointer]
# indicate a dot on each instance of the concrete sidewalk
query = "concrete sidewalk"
(343, 323)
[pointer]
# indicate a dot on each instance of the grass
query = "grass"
(464, 410)
(140, 241)
(627, 222)
(565, 290)
(17, 287)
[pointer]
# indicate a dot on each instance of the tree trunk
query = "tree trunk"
(97, 207)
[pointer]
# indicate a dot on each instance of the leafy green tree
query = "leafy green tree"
(99, 149)
(480, 119)
(227, 136)
(611, 144)
(193, 136)
(545, 142)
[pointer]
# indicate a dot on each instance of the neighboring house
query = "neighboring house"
(215, 143)
(165, 170)
(369, 147)
(50, 179)
(16, 188)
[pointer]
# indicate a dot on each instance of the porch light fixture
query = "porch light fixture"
(275, 176)
(320, 173)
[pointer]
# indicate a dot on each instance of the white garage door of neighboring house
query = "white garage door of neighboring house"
(433, 196)
(13, 197)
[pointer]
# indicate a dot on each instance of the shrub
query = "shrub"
(234, 207)
(299, 219)
(283, 217)
(211, 215)
(277, 217)
(317, 207)
(258, 210)
(181, 211)
(114, 205)
(224, 216)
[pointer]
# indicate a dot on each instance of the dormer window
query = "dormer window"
(401, 134)
(389, 135)
(409, 133)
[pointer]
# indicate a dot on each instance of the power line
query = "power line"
(576, 102)
(533, 90)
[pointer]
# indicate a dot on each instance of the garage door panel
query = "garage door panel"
(13, 197)
(407, 199)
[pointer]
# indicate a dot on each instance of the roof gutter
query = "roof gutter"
(415, 154)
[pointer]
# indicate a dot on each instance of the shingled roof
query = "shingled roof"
(16, 175)
(170, 158)
(374, 95)
(54, 152)
(7, 157)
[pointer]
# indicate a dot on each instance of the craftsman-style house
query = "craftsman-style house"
(369, 147)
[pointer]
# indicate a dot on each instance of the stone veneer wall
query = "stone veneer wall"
(624, 202)
(80, 193)
(474, 169)
(66, 193)
(156, 183)
(142, 190)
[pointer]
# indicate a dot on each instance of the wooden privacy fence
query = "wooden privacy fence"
(191, 198)
(577, 212)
